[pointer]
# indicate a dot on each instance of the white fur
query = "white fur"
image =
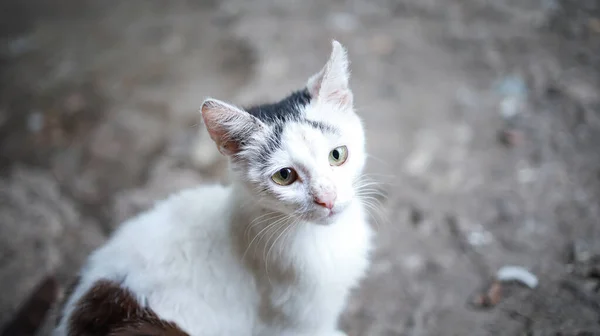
(231, 261)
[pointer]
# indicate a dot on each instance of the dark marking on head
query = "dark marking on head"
(323, 127)
(32, 314)
(273, 140)
(289, 108)
(277, 115)
(108, 309)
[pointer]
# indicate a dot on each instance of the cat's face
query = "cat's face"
(312, 172)
(301, 156)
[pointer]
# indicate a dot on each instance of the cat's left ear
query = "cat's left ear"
(228, 126)
(331, 84)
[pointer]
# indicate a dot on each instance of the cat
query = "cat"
(274, 253)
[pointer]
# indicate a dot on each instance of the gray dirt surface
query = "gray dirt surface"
(483, 125)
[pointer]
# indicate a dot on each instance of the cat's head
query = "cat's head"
(303, 155)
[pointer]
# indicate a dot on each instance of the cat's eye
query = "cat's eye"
(338, 156)
(285, 176)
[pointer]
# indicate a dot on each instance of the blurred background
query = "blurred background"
(483, 125)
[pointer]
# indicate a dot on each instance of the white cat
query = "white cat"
(275, 253)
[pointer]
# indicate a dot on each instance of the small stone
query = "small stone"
(513, 91)
(491, 297)
(519, 274)
(510, 137)
(510, 107)
(479, 238)
(480, 301)
(495, 293)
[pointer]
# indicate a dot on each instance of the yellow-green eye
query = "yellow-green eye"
(285, 176)
(338, 156)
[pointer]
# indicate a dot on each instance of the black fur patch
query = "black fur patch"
(277, 114)
(287, 109)
(323, 127)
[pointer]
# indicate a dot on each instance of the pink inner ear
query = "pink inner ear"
(343, 97)
(229, 148)
(215, 132)
(219, 136)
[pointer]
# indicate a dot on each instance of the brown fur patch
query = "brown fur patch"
(110, 310)
(33, 312)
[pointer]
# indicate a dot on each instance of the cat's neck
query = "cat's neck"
(250, 214)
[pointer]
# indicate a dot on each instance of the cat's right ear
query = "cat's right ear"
(331, 83)
(228, 125)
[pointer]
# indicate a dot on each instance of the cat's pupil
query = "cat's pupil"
(284, 173)
(336, 154)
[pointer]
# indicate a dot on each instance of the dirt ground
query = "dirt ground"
(483, 125)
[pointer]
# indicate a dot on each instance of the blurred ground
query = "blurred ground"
(483, 123)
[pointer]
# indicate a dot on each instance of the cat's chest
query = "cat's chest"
(335, 254)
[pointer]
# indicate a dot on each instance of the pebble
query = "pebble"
(490, 298)
(479, 238)
(519, 274)
(493, 295)
(513, 90)
(510, 107)
(510, 137)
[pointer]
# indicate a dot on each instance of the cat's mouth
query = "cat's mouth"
(332, 214)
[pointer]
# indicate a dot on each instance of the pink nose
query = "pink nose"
(326, 200)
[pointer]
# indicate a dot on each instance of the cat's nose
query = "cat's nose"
(326, 199)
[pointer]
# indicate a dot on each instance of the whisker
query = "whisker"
(259, 234)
